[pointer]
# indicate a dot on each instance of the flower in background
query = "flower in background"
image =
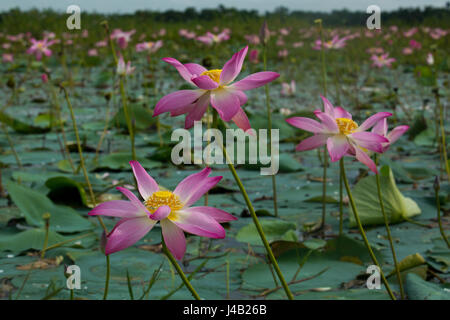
(280, 42)
(284, 31)
(297, 44)
(92, 52)
(283, 53)
(187, 34)
(6, 46)
(102, 43)
(375, 50)
(40, 48)
(44, 78)
(288, 89)
(252, 39)
(254, 56)
(414, 44)
(334, 43)
(381, 128)
(150, 47)
(382, 60)
(122, 69)
(430, 59)
(7, 57)
(410, 32)
(285, 111)
(215, 87)
(211, 38)
(122, 37)
(171, 208)
(407, 51)
(341, 134)
(437, 33)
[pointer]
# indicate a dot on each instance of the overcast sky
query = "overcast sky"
(129, 6)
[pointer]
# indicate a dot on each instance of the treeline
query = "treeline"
(34, 20)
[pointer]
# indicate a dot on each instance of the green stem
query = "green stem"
(325, 162)
(269, 126)
(108, 272)
(180, 271)
(388, 231)
(61, 126)
(111, 43)
(80, 152)
(341, 204)
(105, 129)
(438, 206)
(443, 143)
(11, 145)
(127, 116)
(228, 279)
(361, 229)
(46, 217)
(257, 223)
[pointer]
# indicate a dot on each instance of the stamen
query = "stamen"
(213, 74)
(346, 126)
(163, 198)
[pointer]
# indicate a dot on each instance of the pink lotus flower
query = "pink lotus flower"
(382, 60)
(172, 209)
(122, 69)
(150, 47)
(210, 38)
(334, 43)
(437, 33)
(215, 87)
(252, 39)
(44, 78)
(284, 31)
(102, 43)
(7, 57)
(407, 51)
(122, 37)
(410, 32)
(381, 128)
(40, 47)
(187, 34)
(288, 89)
(92, 52)
(6, 46)
(280, 42)
(414, 44)
(341, 134)
(283, 53)
(375, 50)
(254, 56)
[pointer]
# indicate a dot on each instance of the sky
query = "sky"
(129, 6)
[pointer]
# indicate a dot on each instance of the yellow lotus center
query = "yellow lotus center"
(213, 74)
(346, 126)
(163, 198)
(40, 45)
